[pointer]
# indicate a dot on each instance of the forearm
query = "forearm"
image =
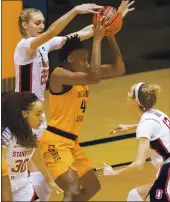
(6, 189)
(133, 126)
(61, 23)
(131, 167)
(83, 34)
(94, 69)
(39, 163)
(117, 56)
(86, 33)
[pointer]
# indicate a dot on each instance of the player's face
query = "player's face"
(80, 60)
(34, 115)
(35, 26)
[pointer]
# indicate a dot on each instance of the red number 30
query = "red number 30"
(21, 166)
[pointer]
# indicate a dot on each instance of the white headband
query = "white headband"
(136, 91)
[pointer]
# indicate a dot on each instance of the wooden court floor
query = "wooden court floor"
(106, 108)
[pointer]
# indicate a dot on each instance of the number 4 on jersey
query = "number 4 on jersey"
(83, 106)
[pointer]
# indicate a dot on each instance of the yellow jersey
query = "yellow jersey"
(67, 108)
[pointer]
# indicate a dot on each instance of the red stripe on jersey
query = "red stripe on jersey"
(163, 146)
(33, 197)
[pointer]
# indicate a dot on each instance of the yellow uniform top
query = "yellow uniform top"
(67, 108)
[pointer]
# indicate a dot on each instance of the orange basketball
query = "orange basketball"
(113, 16)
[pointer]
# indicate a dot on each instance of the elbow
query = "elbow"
(121, 70)
(95, 79)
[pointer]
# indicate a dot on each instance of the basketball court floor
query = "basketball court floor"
(108, 107)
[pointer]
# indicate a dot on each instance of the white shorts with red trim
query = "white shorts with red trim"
(25, 193)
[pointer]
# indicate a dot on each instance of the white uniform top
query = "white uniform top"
(155, 125)
(32, 73)
(17, 159)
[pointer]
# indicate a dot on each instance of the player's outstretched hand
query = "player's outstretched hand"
(125, 7)
(108, 170)
(120, 128)
(87, 8)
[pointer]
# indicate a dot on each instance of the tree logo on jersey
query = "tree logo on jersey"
(159, 193)
(43, 48)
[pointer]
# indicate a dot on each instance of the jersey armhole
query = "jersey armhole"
(66, 89)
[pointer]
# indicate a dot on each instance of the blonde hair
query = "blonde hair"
(25, 16)
(148, 95)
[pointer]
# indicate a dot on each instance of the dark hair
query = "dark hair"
(12, 106)
(147, 95)
(72, 43)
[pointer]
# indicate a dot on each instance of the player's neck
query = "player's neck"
(68, 67)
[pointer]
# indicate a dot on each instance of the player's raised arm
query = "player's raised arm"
(60, 24)
(117, 68)
(76, 69)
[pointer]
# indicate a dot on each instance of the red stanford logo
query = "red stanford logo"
(159, 193)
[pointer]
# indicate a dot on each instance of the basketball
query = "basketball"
(113, 16)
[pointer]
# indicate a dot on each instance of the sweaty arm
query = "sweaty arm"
(118, 66)
(145, 131)
(52, 31)
(84, 34)
(65, 77)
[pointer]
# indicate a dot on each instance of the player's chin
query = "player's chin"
(36, 126)
(39, 33)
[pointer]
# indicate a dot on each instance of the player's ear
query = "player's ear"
(24, 114)
(70, 59)
(24, 25)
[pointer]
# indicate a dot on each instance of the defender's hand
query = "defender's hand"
(124, 7)
(120, 128)
(87, 8)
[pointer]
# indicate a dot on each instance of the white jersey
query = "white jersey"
(17, 159)
(32, 72)
(155, 125)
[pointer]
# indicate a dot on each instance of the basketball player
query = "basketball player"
(32, 66)
(21, 112)
(153, 134)
(65, 159)
(6, 188)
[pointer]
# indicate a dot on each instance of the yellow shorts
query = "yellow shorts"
(61, 153)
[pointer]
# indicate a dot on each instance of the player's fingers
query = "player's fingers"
(131, 3)
(126, 2)
(131, 9)
(91, 11)
(102, 20)
(98, 20)
(100, 168)
(106, 25)
(105, 164)
(96, 7)
(107, 28)
(112, 132)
